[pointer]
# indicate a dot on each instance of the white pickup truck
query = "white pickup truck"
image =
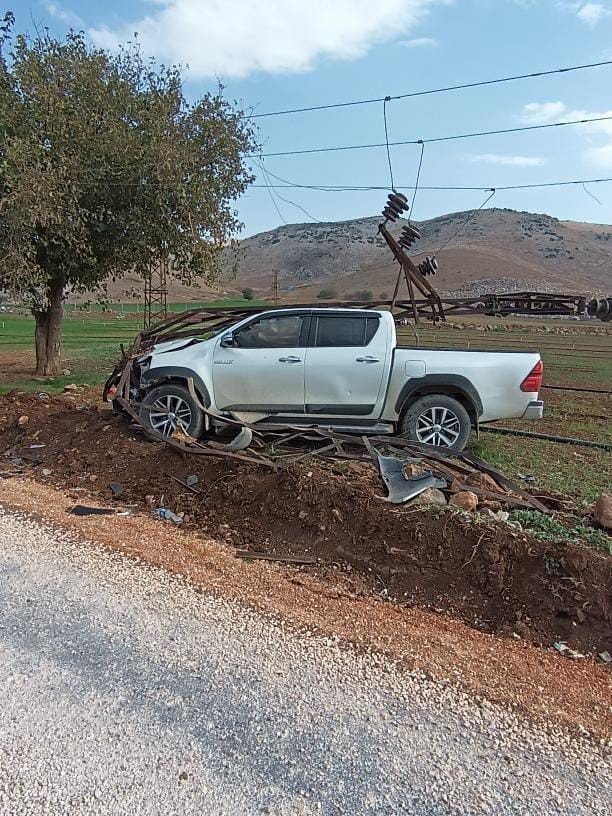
(338, 368)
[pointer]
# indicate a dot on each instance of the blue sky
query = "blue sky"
(276, 54)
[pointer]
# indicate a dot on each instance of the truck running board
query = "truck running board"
(346, 425)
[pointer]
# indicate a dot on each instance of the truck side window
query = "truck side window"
(282, 331)
(345, 331)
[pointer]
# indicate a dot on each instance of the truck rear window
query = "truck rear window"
(345, 331)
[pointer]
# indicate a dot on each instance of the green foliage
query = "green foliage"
(548, 528)
(247, 293)
(105, 168)
(327, 294)
(361, 294)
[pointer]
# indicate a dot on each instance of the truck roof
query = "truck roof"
(341, 310)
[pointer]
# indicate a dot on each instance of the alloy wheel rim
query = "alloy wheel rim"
(438, 426)
(170, 413)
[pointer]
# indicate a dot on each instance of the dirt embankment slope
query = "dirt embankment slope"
(488, 574)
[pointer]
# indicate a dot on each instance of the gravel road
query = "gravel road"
(125, 691)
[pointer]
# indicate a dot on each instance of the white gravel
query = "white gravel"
(125, 691)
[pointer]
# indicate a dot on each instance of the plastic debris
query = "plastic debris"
(527, 477)
(190, 481)
(401, 489)
(83, 510)
(42, 396)
(167, 515)
(562, 647)
(117, 489)
(605, 657)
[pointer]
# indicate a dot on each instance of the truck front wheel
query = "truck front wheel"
(437, 419)
(170, 407)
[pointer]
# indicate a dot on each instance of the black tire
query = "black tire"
(450, 430)
(182, 410)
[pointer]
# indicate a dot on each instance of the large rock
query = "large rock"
(602, 511)
(430, 496)
(413, 469)
(466, 500)
(483, 481)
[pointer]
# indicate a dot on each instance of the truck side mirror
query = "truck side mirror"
(227, 341)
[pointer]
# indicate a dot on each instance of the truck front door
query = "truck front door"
(260, 366)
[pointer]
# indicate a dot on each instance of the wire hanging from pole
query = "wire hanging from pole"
(269, 189)
(462, 226)
(388, 99)
(416, 184)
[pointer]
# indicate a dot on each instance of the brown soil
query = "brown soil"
(536, 682)
(491, 576)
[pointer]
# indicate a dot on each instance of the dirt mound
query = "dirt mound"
(490, 575)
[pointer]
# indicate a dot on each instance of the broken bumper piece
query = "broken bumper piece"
(535, 410)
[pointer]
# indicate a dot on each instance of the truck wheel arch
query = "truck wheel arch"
(178, 374)
(453, 385)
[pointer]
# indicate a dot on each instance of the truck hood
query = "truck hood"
(173, 345)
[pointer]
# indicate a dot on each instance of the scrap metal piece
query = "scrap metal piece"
(117, 489)
(241, 441)
(401, 489)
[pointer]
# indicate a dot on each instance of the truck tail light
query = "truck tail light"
(533, 381)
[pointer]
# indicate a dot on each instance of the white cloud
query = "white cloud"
(539, 113)
(64, 15)
(592, 13)
(597, 151)
(217, 38)
(508, 161)
(599, 156)
(420, 42)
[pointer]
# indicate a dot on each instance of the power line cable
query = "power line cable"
(436, 188)
(462, 226)
(271, 194)
(385, 100)
(589, 193)
(416, 183)
(454, 137)
(286, 200)
(463, 86)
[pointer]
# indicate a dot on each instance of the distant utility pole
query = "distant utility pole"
(156, 294)
(275, 286)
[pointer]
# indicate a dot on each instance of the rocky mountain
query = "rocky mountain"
(491, 249)
(488, 250)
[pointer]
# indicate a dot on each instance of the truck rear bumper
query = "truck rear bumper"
(535, 410)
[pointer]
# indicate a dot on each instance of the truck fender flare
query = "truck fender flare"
(440, 384)
(164, 373)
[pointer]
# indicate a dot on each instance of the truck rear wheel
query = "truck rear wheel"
(170, 407)
(437, 419)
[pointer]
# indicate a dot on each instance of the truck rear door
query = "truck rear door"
(346, 365)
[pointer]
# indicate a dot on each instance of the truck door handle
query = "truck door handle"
(289, 359)
(367, 360)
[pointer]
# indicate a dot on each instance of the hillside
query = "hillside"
(501, 250)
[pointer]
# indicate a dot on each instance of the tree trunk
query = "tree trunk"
(48, 330)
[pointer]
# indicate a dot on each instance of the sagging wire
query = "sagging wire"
(462, 226)
(286, 200)
(416, 183)
(589, 193)
(385, 100)
(269, 189)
